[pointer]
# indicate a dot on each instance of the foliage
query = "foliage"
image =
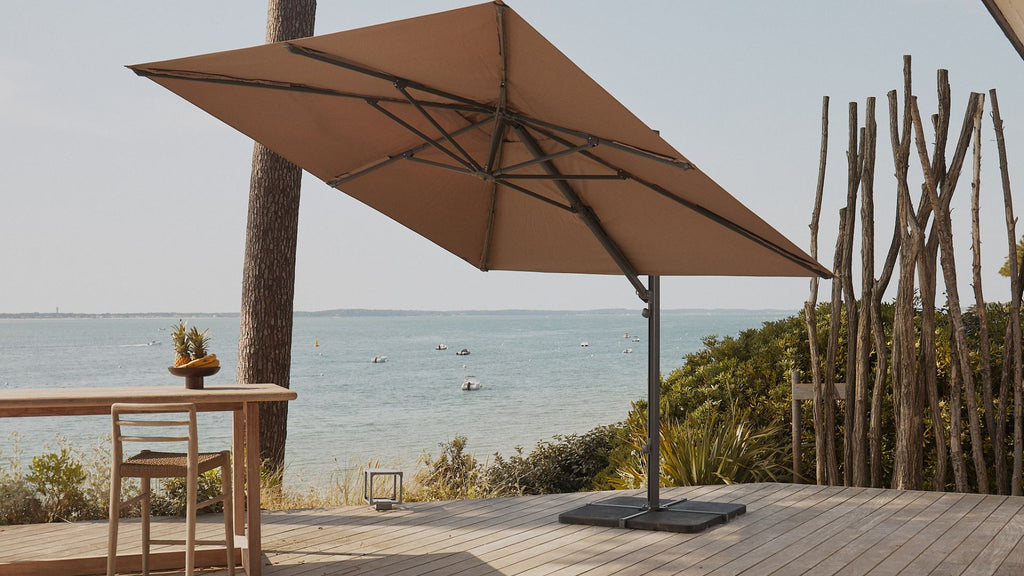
(64, 485)
(709, 447)
(568, 464)
(172, 497)
(18, 501)
(751, 369)
(454, 475)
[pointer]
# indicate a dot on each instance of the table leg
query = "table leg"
(238, 482)
(254, 555)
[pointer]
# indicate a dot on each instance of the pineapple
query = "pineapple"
(199, 342)
(179, 336)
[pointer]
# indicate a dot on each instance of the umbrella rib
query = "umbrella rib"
(650, 155)
(535, 195)
(499, 114)
(504, 172)
(327, 59)
(444, 133)
(496, 134)
(562, 177)
(424, 137)
(289, 87)
(586, 214)
(343, 178)
(713, 216)
(435, 164)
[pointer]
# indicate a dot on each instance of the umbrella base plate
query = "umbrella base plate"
(686, 516)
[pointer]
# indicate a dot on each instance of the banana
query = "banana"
(209, 360)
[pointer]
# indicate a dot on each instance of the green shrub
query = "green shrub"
(170, 495)
(454, 475)
(69, 485)
(567, 464)
(709, 447)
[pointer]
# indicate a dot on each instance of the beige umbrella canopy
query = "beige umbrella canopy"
(473, 130)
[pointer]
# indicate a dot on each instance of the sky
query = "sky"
(118, 196)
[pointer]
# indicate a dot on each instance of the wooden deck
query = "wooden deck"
(788, 529)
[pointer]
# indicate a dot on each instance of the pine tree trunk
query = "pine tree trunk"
(268, 275)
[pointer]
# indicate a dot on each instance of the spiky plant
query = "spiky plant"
(198, 342)
(179, 337)
(712, 446)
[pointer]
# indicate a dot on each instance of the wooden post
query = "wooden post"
(984, 350)
(796, 427)
(942, 227)
(824, 411)
(1013, 329)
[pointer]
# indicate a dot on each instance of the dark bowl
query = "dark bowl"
(200, 371)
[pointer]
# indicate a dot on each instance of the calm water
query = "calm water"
(537, 380)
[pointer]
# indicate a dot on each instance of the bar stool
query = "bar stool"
(149, 424)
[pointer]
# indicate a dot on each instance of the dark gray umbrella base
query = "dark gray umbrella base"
(675, 516)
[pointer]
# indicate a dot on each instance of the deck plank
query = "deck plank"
(788, 530)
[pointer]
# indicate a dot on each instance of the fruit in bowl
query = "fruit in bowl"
(191, 347)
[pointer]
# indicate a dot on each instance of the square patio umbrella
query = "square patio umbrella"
(473, 130)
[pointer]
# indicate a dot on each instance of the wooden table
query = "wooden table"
(241, 401)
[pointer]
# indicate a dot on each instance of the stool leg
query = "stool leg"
(229, 529)
(115, 513)
(145, 487)
(190, 519)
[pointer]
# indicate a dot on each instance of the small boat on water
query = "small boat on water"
(463, 352)
(380, 359)
(441, 347)
(316, 342)
(627, 351)
(626, 335)
(471, 383)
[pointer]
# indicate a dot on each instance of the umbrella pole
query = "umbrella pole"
(653, 391)
(680, 515)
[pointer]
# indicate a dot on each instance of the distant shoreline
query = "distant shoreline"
(357, 312)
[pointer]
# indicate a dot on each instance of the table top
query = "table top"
(82, 401)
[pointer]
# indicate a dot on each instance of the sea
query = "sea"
(541, 374)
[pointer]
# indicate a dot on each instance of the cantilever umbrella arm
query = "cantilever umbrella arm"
(584, 212)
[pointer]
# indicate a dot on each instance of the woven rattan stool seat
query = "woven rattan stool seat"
(149, 464)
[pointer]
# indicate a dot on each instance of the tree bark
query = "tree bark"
(942, 226)
(268, 275)
(864, 320)
(984, 352)
(908, 450)
(835, 319)
(956, 422)
(1012, 345)
(825, 452)
(855, 161)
